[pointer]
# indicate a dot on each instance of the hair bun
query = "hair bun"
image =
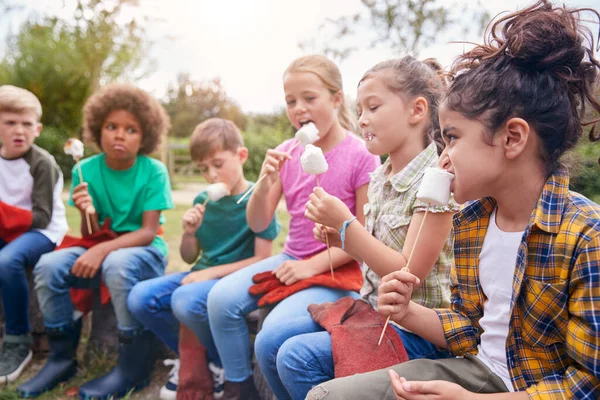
(562, 44)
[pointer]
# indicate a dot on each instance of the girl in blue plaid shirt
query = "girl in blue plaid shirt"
(525, 312)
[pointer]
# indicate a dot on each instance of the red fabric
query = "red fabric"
(82, 298)
(195, 380)
(355, 328)
(14, 221)
(347, 277)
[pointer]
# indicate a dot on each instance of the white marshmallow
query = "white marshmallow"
(307, 134)
(435, 187)
(217, 191)
(313, 161)
(74, 147)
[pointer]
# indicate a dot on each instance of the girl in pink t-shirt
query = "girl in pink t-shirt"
(313, 93)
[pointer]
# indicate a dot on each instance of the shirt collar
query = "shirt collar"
(413, 171)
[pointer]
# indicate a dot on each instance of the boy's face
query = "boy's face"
(17, 133)
(224, 166)
(121, 139)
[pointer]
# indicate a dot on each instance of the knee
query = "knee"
(47, 271)
(140, 300)
(117, 268)
(9, 266)
(291, 356)
(222, 304)
(187, 308)
(266, 345)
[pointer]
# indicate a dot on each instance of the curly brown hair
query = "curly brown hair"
(151, 116)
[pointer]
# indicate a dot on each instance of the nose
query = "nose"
(444, 161)
(212, 174)
(363, 121)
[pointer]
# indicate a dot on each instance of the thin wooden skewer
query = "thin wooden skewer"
(406, 268)
(87, 215)
(327, 241)
(261, 178)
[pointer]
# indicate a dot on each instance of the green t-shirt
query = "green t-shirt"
(125, 195)
(224, 235)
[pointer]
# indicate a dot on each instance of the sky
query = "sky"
(249, 43)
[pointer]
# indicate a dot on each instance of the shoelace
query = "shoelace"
(174, 374)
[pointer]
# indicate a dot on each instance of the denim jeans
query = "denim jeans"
(21, 253)
(305, 361)
(228, 303)
(120, 270)
(162, 303)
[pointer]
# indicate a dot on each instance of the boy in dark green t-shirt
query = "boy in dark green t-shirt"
(127, 188)
(218, 233)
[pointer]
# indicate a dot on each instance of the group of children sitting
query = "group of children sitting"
(494, 298)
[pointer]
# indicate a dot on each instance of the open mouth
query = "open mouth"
(369, 137)
(19, 142)
(304, 122)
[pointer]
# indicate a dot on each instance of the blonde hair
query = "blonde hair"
(212, 135)
(331, 77)
(18, 100)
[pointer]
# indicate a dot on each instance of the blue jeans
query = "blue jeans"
(121, 270)
(162, 303)
(21, 253)
(305, 361)
(229, 302)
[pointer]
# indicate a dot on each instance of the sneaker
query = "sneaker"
(218, 374)
(14, 357)
(169, 391)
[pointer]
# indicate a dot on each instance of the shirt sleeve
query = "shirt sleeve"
(45, 177)
(272, 230)
(158, 191)
(461, 333)
(74, 183)
(366, 164)
(580, 379)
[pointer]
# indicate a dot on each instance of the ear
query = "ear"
(38, 130)
(515, 137)
(243, 154)
(418, 110)
(338, 99)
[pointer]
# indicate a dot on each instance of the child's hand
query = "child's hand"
(326, 209)
(192, 219)
(271, 167)
(334, 237)
(88, 264)
(292, 271)
(395, 292)
(198, 276)
(81, 197)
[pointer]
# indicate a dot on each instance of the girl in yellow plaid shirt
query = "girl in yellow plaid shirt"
(525, 309)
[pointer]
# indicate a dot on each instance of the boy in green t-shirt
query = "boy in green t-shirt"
(218, 233)
(129, 189)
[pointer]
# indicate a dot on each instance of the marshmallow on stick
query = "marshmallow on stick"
(307, 134)
(74, 148)
(434, 189)
(216, 192)
(313, 162)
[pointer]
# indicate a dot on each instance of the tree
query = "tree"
(405, 26)
(62, 61)
(190, 102)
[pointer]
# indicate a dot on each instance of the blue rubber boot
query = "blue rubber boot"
(61, 365)
(132, 371)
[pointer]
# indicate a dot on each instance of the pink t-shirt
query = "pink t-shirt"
(349, 166)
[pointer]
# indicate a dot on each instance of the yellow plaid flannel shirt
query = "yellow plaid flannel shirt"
(553, 344)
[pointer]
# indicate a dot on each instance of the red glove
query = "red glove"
(103, 235)
(14, 221)
(354, 342)
(195, 380)
(347, 277)
(329, 314)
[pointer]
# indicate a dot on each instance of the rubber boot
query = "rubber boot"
(240, 390)
(61, 364)
(132, 371)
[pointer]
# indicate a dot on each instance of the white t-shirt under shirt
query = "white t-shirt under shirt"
(496, 271)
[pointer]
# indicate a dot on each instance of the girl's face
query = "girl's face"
(383, 116)
(121, 139)
(308, 100)
(476, 163)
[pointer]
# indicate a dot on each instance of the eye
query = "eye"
(131, 130)
(373, 108)
(290, 102)
(110, 126)
(310, 98)
(218, 166)
(203, 169)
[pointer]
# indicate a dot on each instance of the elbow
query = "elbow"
(149, 236)
(40, 220)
